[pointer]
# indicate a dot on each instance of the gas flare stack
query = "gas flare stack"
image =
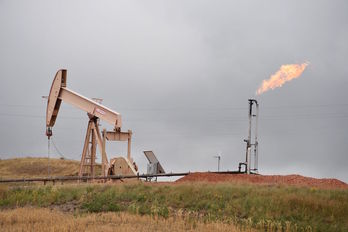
(251, 141)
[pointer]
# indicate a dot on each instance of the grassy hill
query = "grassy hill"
(37, 167)
(248, 206)
(207, 206)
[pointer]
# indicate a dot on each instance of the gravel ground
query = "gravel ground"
(295, 180)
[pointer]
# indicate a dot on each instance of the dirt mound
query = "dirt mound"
(295, 180)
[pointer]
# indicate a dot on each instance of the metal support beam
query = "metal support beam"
(121, 136)
(92, 139)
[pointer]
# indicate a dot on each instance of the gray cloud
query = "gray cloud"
(180, 73)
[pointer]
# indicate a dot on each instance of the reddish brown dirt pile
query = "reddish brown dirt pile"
(295, 180)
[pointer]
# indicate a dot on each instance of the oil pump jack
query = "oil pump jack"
(95, 111)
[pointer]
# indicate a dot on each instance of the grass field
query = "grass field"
(36, 219)
(162, 206)
(38, 167)
(265, 208)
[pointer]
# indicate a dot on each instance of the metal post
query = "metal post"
(103, 153)
(49, 134)
(48, 155)
(248, 141)
(83, 164)
(129, 146)
(218, 158)
(256, 143)
(249, 160)
(93, 151)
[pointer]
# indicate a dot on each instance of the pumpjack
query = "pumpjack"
(95, 111)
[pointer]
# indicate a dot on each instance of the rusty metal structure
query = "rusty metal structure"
(94, 138)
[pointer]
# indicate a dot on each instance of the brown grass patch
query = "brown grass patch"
(38, 167)
(36, 219)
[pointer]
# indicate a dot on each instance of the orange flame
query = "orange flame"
(286, 73)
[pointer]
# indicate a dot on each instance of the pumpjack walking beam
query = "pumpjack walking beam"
(58, 93)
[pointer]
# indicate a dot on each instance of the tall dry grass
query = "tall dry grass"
(39, 219)
(267, 208)
(38, 167)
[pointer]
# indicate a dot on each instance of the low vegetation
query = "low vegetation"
(35, 219)
(270, 208)
(38, 167)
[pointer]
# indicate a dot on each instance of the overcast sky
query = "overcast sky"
(180, 73)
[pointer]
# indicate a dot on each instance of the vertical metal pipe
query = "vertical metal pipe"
(247, 162)
(129, 146)
(256, 143)
(103, 153)
(250, 118)
(48, 155)
(93, 151)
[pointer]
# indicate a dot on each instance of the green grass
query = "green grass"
(262, 207)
